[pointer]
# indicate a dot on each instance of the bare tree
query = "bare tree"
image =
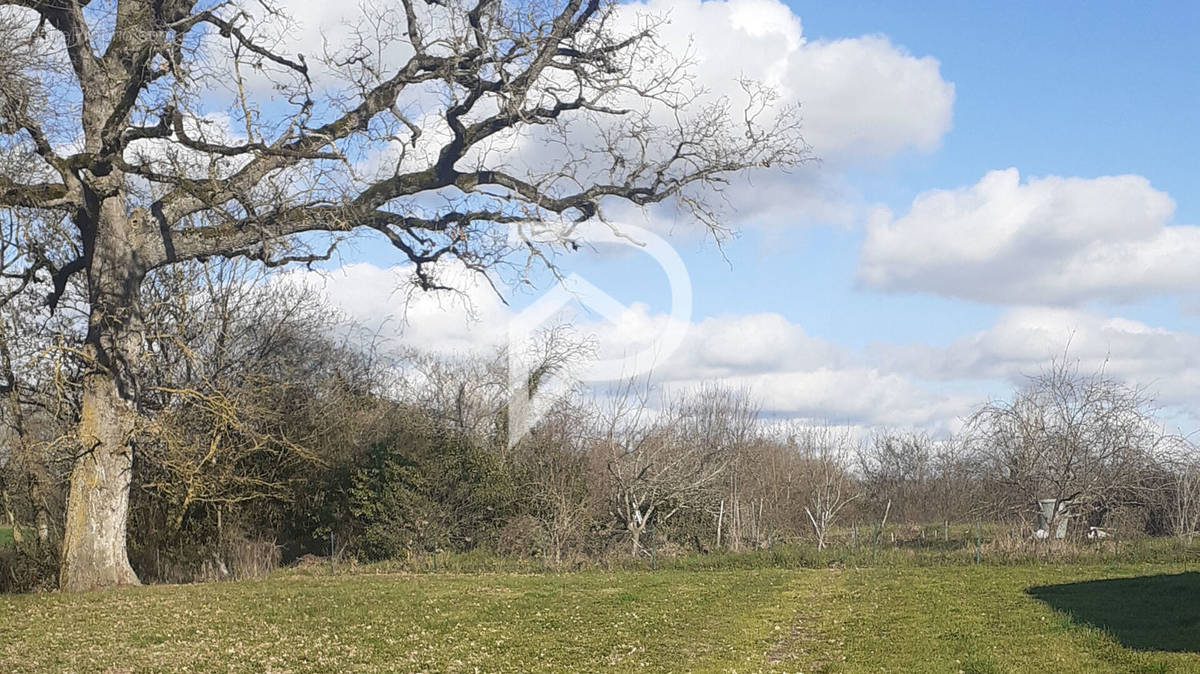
(39, 374)
(663, 460)
(727, 417)
(236, 360)
(115, 169)
(473, 392)
(956, 481)
(552, 463)
(825, 453)
(1182, 490)
(898, 467)
(467, 392)
(1073, 438)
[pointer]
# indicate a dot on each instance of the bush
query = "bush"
(427, 488)
(24, 568)
(522, 537)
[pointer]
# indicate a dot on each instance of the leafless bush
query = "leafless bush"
(824, 454)
(1083, 439)
(662, 461)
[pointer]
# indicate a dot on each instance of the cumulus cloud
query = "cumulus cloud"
(791, 373)
(763, 342)
(859, 396)
(386, 304)
(1051, 240)
(863, 98)
(1024, 340)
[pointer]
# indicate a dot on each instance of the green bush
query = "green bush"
(427, 488)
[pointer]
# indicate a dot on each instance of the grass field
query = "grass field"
(1032, 618)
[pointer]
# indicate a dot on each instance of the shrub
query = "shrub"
(427, 488)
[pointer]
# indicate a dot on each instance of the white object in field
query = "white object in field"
(1096, 533)
(1041, 534)
(1050, 509)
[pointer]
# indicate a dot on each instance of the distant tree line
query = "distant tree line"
(273, 430)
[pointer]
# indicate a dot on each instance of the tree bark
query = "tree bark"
(94, 551)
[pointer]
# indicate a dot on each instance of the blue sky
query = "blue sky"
(1072, 89)
(870, 295)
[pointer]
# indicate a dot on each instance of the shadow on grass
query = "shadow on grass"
(1148, 613)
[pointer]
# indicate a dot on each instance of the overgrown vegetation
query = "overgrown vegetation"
(277, 432)
(427, 489)
(173, 412)
(116, 174)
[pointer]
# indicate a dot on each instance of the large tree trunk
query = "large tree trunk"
(94, 551)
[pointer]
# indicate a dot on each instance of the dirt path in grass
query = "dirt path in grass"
(807, 645)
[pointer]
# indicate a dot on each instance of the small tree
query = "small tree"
(898, 467)
(249, 382)
(426, 488)
(1084, 439)
(825, 453)
(660, 461)
(552, 467)
(1183, 487)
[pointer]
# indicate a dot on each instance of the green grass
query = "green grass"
(6, 536)
(992, 619)
(1096, 618)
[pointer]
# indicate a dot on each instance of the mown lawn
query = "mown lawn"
(939, 619)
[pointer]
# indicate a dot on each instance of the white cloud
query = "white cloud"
(1024, 341)
(388, 305)
(863, 396)
(864, 98)
(792, 374)
(1047, 240)
(764, 342)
